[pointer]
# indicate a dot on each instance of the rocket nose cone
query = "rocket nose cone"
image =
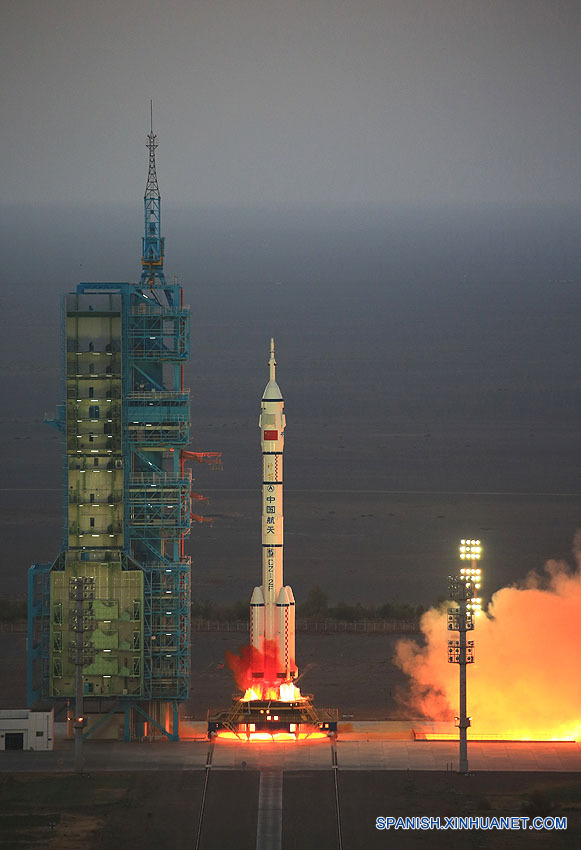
(282, 598)
(272, 392)
(257, 597)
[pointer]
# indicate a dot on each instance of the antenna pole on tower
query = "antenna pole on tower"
(153, 243)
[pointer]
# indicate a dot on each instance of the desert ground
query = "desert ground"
(153, 810)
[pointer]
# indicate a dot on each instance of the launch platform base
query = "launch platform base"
(299, 717)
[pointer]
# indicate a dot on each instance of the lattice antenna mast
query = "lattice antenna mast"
(153, 243)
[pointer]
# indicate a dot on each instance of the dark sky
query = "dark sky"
(293, 102)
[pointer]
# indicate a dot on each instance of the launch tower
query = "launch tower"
(125, 423)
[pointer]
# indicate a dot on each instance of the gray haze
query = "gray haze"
(430, 367)
(390, 188)
(292, 102)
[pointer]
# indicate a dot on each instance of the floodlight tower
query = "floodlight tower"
(463, 589)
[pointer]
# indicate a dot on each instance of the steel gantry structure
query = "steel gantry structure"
(125, 423)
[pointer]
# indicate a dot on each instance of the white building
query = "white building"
(21, 729)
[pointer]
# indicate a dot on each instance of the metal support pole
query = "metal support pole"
(461, 619)
(79, 680)
(463, 719)
(127, 724)
(79, 721)
(81, 588)
(175, 728)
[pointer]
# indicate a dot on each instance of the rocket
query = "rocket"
(272, 606)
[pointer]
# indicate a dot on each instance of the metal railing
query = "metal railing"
(394, 627)
(101, 497)
(157, 395)
(13, 627)
(331, 626)
(163, 565)
(165, 478)
(144, 310)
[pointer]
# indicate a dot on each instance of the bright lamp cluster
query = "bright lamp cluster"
(474, 605)
(470, 550)
(471, 578)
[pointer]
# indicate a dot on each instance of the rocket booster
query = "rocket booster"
(272, 606)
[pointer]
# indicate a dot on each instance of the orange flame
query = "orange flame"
(285, 692)
(525, 681)
(269, 687)
(272, 736)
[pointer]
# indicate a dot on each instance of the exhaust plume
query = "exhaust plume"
(526, 681)
(249, 658)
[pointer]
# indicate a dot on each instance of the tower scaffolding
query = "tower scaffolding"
(125, 423)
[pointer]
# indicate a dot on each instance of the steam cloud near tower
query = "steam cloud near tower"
(526, 681)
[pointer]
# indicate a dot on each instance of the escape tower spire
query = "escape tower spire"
(153, 243)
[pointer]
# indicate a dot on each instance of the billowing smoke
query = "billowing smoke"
(526, 679)
(249, 659)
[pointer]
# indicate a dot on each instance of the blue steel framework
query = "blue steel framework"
(155, 429)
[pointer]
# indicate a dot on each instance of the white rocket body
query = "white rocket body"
(272, 606)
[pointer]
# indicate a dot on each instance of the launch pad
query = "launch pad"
(296, 717)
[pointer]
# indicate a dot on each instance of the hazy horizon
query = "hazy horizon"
(418, 354)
